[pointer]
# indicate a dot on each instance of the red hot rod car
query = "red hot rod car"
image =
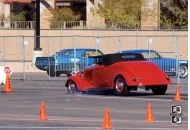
(120, 72)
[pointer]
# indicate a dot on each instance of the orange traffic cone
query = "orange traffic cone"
(177, 94)
(8, 86)
(107, 123)
(42, 112)
(149, 116)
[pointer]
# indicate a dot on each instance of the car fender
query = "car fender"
(168, 80)
(132, 81)
(127, 76)
(81, 83)
(183, 62)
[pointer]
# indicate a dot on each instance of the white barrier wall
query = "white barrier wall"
(2, 75)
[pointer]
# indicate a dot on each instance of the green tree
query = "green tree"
(121, 12)
(63, 14)
(174, 13)
(18, 16)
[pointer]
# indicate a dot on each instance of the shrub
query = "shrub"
(63, 14)
(18, 16)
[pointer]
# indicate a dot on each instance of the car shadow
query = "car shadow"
(136, 94)
(133, 93)
(113, 94)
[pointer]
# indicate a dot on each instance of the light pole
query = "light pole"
(37, 50)
(37, 29)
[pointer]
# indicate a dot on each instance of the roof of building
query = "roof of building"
(30, 1)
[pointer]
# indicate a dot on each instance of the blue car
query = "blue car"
(67, 61)
(169, 65)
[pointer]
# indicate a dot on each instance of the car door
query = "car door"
(99, 76)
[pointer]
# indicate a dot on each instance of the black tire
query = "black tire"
(72, 87)
(121, 90)
(183, 71)
(159, 90)
(52, 73)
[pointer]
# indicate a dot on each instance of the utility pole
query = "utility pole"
(37, 29)
(37, 50)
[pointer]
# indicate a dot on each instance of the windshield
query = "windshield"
(93, 53)
(82, 53)
(152, 55)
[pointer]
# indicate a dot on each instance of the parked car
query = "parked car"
(65, 62)
(169, 65)
(121, 73)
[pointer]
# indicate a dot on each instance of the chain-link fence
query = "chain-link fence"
(64, 55)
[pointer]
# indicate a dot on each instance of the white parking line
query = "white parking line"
(84, 119)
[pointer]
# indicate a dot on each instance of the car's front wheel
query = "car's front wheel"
(120, 86)
(183, 71)
(72, 88)
(159, 90)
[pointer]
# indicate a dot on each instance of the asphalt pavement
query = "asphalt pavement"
(20, 109)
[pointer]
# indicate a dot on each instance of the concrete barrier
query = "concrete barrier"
(2, 75)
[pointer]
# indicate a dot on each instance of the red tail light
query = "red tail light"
(167, 77)
(134, 78)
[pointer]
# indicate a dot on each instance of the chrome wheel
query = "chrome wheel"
(183, 71)
(120, 86)
(72, 88)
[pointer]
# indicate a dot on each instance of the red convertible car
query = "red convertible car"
(121, 72)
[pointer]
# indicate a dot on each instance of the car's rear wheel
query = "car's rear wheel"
(52, 73)
(183, 71)
(120, 86)
(68, 74)
(159, 90)
(72, 88)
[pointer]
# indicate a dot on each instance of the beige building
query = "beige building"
(149, 11)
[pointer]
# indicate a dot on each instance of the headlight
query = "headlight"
(72, 60)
